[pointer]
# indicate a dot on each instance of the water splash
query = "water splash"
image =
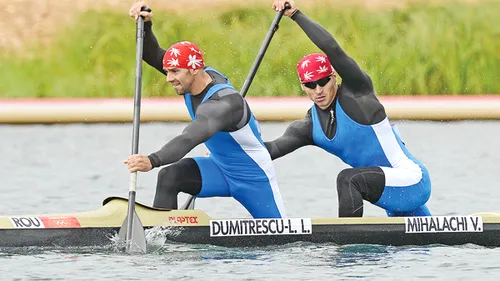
(156, 238)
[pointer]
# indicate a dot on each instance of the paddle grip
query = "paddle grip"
(145, 9)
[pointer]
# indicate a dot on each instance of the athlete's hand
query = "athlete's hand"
(137, 163)
(135, 11)
(279, 5)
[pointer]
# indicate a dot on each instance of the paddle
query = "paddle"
(132, 231)
(189, 205)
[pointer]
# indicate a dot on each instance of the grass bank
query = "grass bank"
(420, 50)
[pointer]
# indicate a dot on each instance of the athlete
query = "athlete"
(239, 164)
(348, 121)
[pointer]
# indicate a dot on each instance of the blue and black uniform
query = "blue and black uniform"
(356, 129)
(239, 164)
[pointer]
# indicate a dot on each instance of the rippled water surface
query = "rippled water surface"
(69, 168)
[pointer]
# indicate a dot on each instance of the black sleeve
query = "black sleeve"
(298, 134)
(211, 116)
(346, 67)
(152, 52)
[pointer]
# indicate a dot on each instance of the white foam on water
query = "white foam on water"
(155, 238)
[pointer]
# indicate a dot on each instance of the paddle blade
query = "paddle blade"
(137, 241)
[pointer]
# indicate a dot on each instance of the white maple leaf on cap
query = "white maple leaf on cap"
(321, 59)
(308, 75)
(173, 62)
(305, 64)
(322, 69)
(193, 61)
(174, 52)
(194, 50)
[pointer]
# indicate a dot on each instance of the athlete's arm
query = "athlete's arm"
(298, 134)
(152, 53)
(346, 67)
(211, 116)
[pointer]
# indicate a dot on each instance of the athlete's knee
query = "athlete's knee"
(369, 182)
(171, 178)
(344, 179)
(167, 180)
(352, 179)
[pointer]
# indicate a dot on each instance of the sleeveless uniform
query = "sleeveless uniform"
(239, 166)
(407, 186)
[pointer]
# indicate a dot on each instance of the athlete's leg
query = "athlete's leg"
(259, 198)
(214, 183)
(356, 184)
(406, 192)
(199, 177)
(182, 176)
(421, 211)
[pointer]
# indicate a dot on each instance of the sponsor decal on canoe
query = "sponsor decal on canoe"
(251, 227)
(60, 222)
(183, 219)
(44, 222)
(443, 224)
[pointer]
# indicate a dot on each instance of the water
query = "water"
(66, 168)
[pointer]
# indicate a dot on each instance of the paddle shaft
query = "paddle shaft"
(263, 48)
(135, 130)
(253, 70)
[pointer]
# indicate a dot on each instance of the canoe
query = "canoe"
(96, 228)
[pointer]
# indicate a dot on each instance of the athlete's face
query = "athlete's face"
(181, 79)
(322, 92)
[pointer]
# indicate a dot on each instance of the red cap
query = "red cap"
(183, 55)
(313, 67)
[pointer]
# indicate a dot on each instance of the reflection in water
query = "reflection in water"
(32, 251)
(351, 255)
(325, 254)
(361, 254)
(233, 254)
